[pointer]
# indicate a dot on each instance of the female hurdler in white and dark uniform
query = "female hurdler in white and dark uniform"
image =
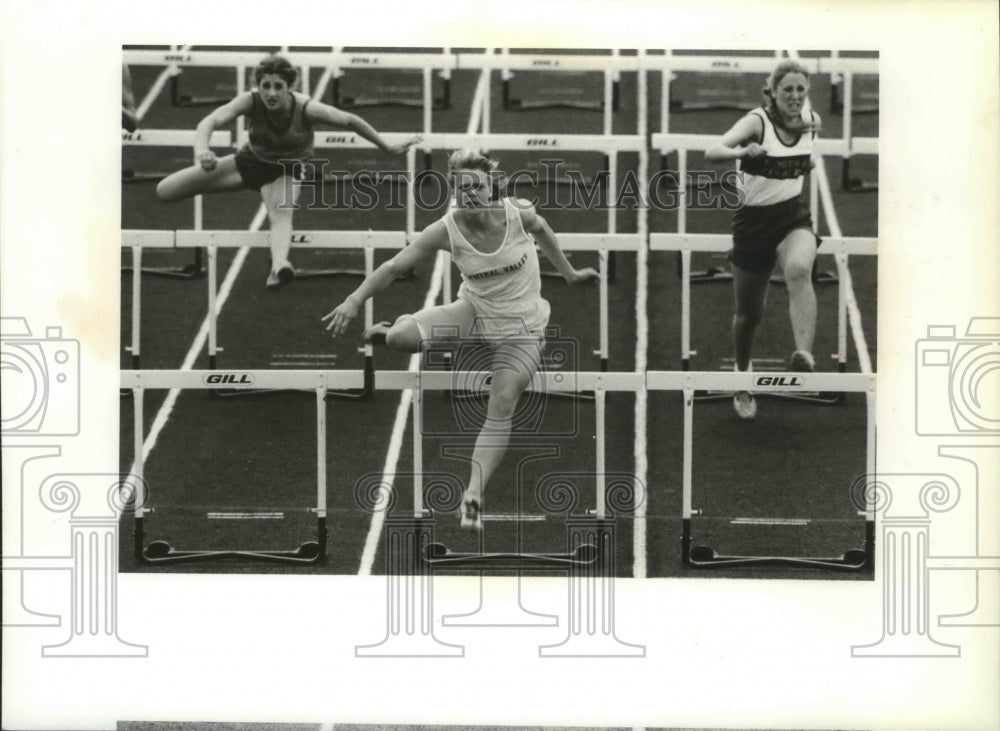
(492, 243)
(280, 126)
(774, 144)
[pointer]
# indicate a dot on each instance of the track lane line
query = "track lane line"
(167, 407)
(853, 312)
(403, 410)
(157, 88)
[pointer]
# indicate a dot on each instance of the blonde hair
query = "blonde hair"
(469, 159)
(788, 66)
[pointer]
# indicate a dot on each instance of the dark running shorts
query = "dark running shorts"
(759, 230)
(256, 172)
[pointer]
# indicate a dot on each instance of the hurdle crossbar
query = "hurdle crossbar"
(683, 143)
(250, 59)
(609, 145)
(564, 382)
(610, 66)
(691, 381)
(310, 552)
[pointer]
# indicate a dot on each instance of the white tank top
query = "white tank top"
(505, 286)
(777, 176)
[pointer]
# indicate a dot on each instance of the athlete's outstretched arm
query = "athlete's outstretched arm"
(432, 239)
(319, 112)
(742, 140)
(545, 237)
(220, 117)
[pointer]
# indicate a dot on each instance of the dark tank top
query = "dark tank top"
(273, 143)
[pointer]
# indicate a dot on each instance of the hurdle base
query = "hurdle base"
(437, 556)
(349, 102)
(855, 559)
(515, 104)
(814, 398)
(309, 553)
(179, 99)
(193, 270)
(855, 185)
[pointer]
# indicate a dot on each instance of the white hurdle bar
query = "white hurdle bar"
(610, 66)
(338, 61)
(691, 381)
(686, 244)
(609, 145)
(548, 382)
(368, 241)
(319, 381)
(845, 67)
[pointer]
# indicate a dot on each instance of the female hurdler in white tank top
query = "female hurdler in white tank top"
(504, 287)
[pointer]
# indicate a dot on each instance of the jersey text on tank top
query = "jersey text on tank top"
(776, 176)
(272, 143)
(506, 275)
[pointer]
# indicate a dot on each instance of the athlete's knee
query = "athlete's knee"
(747, 319)
(167, 190)
(404, 335)
(503, 401)
(798, 273)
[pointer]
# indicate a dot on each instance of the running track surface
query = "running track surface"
(257, 455)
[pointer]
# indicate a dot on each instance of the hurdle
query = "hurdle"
(565, 65)
(413, 556)
(686, 244)
(241, 61)
(172, 138)
(855, 559)
(604, 244)
(363, 59)
(369, 241)
(845, 69)
(685, 143)
(836, 67)
(320, 382)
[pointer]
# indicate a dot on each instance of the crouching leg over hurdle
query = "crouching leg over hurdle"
(276, 156)
(500, 303)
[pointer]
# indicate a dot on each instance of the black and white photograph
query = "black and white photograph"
(551, 183)
(390, 366)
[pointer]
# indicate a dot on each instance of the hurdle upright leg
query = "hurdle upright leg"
(409, 578)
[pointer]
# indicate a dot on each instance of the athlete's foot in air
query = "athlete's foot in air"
(376, 333)
(471, 512)
(280, 276)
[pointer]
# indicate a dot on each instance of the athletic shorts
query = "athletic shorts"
(460, 320)
(256, 173)
(759, 230)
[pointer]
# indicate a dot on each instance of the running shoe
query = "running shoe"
(376, 333)
(745, 405)
(283, 275)
(803, 362)
(472, 516)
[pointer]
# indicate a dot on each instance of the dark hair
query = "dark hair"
(279, 65)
